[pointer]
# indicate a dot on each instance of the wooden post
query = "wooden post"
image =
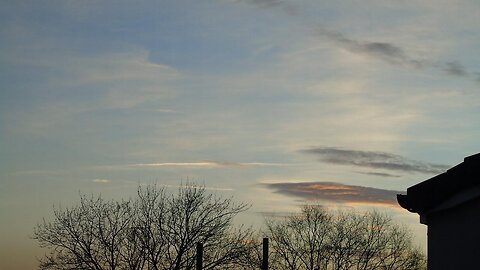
(199, 256)
(265, 254)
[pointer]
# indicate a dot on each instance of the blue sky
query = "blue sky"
(254, 98)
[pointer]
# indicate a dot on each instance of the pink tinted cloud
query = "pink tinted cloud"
(336, 192)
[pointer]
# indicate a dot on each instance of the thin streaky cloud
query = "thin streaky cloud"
(335, 192)
(177, 164)
(392, 54)
(388, 52)
(456, 68)
(167, 111)
(206, 164)
(101, 181)
(373, 159)
(384, 51)
(380, 174)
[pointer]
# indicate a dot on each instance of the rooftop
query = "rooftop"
(443, 188)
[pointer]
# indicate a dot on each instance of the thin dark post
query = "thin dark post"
(265, 254)
(199, 256)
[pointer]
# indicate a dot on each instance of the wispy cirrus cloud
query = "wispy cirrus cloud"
(373, 159)
(101, 181)
(385, 51)
(335, 192)
(394, 54)
(388, 52)
(380, 174)
(202, 164)
(206, 164)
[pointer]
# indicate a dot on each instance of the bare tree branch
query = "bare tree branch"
(319, 239)
(154, 231)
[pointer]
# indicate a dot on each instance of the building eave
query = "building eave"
(453, 187)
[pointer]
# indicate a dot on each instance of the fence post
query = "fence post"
(199, 256)
(265, 254)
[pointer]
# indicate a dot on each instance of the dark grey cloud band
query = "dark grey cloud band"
(372, 159)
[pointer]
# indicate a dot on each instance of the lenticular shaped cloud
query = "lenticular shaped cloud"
(336, 193)
(377, 160)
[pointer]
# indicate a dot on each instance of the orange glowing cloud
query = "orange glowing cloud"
(336, 193)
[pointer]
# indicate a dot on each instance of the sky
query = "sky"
(277, 103)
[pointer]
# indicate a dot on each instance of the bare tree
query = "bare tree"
(153, 231)
(91, 235)
(297, 241)
(319, 239)
(196, 216)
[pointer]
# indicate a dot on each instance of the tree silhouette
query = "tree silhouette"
(153, 231)
(319, 239)
(160, 231)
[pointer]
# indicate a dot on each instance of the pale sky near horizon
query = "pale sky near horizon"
(273, 102)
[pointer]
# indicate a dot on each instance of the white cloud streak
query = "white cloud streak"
(205, 164)
(101, 181)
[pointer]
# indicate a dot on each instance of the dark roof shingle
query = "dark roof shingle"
(426, 195)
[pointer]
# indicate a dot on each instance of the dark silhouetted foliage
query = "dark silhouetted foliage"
(321, 239)
(159, 231)
(153, 231)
